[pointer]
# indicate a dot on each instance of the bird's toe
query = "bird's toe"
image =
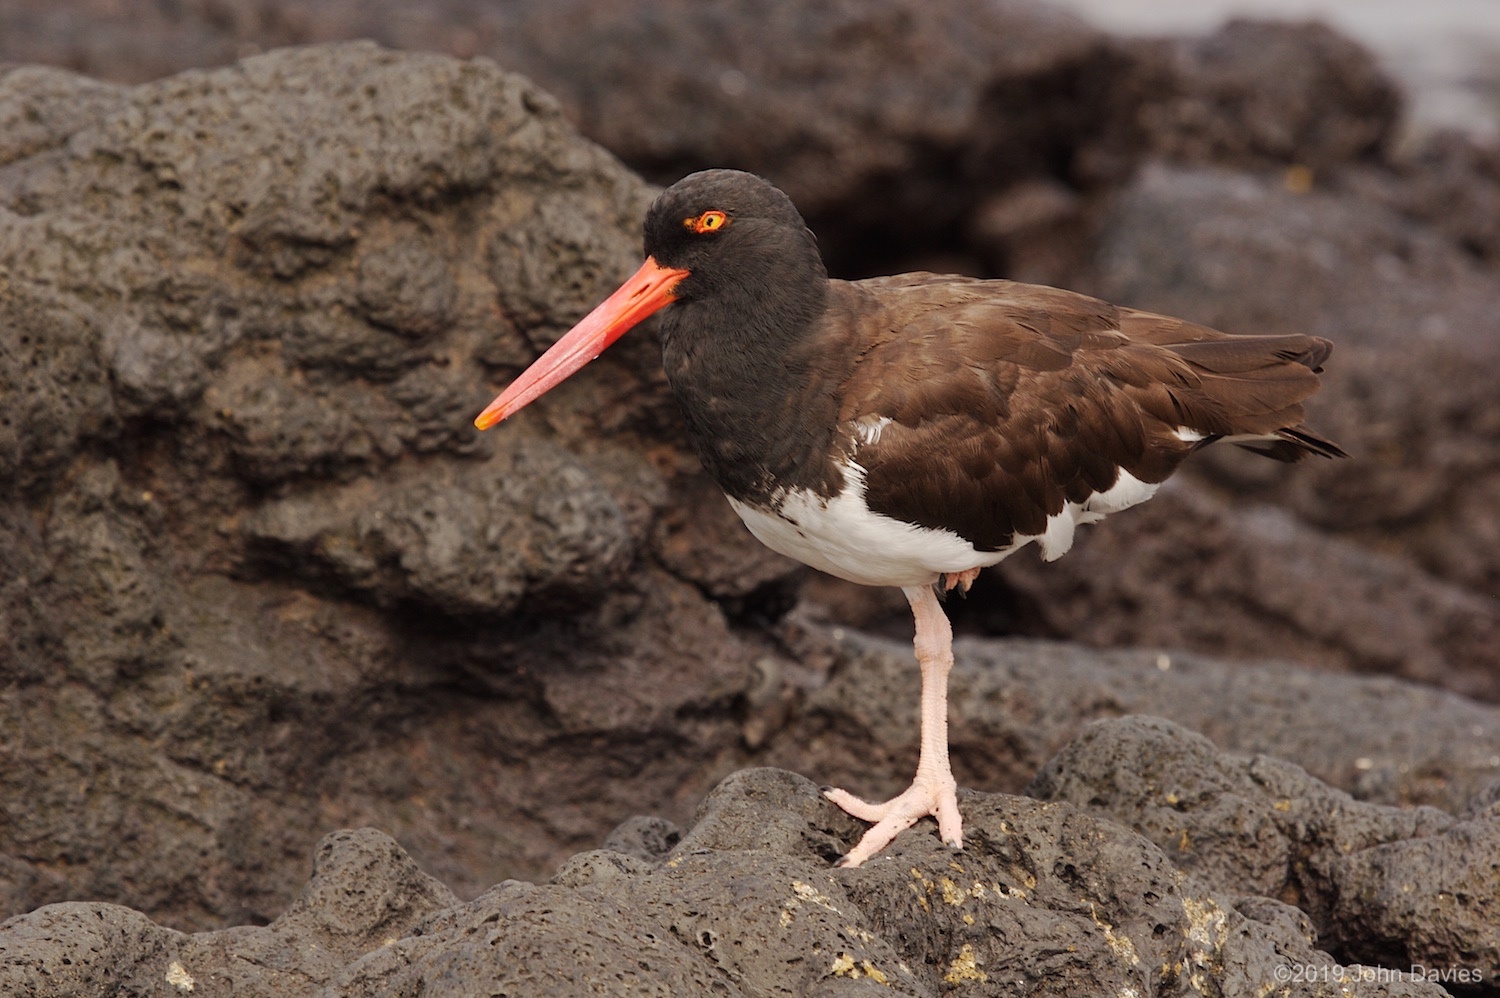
(857, 806)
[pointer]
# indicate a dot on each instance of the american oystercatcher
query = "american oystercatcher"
(911, 430)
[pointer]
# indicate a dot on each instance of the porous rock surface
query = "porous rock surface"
(1390, 886)
(1045, 899)
(261, 573)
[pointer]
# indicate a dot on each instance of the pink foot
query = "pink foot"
(935, 795)
(959, 580)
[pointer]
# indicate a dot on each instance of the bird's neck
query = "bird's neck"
(759, 393)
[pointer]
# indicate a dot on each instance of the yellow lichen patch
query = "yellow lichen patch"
(178, 977)
(1184, 843)
(844, 966)
(968, 919)
(955, 894)
(808, 892)
(964, 968)
(786, 914)
(1283, 805)
(922, 891)
(1013, 893)
(1206, 922)
(1208, 931)
(1119, 944)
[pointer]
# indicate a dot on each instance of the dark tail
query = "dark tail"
(1249, 389)
(1260, 383)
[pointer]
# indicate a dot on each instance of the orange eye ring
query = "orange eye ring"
(710, 221)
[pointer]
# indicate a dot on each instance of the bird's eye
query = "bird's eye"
(710, 221)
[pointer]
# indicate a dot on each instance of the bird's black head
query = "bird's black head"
(734, 232)
(727, 253)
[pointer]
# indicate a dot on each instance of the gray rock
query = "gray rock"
(1213, 573)
(249, 531)
(903, 129)
(42, 105)
(440, 536)
(1384, 885)
(1267, 93)
(55, 386)
(1045, 899)
(1014, 704)
(1451, 183)
(365, 892)
(932, 135)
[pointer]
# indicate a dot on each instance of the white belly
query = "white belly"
(843, 537)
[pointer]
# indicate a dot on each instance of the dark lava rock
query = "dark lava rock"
(1263, 93)
(1453, 183)
(1045, 899)
(365, 893)
(1386, 886)
(262, 576)
(1151, 579)
(1015, 703)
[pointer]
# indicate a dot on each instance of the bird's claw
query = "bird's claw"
(961, 581)
(934, 796)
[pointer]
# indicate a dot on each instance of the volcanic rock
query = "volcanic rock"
(1045, 899)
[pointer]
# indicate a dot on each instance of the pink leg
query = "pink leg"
(933, 791)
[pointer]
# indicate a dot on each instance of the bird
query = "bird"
(912, 430)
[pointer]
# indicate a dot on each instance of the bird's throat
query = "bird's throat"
(760, 400)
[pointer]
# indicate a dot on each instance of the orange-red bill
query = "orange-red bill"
(648, 290)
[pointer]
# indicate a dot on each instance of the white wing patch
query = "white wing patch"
(1127, 491)
(1189, 435)
(868, 429)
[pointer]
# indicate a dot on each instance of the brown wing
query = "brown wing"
(1007, 400)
